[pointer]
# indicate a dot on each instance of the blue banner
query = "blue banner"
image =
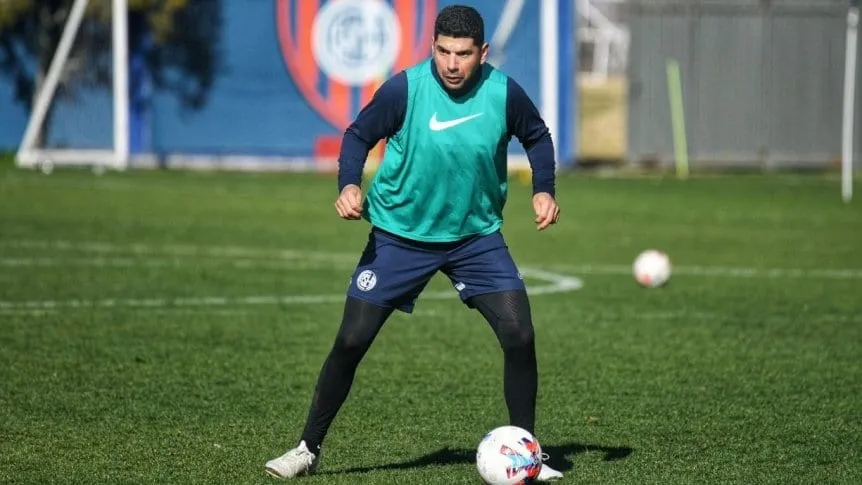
(288, 77)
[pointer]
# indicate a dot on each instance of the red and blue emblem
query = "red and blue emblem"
(338, 52)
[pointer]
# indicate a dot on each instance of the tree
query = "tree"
(178, 41)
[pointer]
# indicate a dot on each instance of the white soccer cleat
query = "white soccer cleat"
(298, 461)
(547, 474)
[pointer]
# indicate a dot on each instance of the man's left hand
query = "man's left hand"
(547, 210)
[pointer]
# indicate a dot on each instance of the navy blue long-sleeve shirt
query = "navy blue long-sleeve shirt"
(384, 115)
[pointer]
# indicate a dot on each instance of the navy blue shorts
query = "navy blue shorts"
(393, 271)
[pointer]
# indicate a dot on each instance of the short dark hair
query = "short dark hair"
(460, 21)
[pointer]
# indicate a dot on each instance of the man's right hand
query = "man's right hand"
(349, 203)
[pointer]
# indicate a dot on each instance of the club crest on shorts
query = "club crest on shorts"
(338, 52)
(367, 280)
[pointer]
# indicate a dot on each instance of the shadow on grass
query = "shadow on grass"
(557, 458)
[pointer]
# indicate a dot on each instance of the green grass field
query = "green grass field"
(168, 328)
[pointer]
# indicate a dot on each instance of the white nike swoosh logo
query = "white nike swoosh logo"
(437, 125)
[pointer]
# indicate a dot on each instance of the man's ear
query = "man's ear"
(485, 49)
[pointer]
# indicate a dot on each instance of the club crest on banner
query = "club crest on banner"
(338, 52)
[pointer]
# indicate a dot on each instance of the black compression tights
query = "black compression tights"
(359, 326)
(507, 312)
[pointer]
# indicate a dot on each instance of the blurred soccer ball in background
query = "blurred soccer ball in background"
(652, 268)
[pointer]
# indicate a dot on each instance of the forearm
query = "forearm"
(541, 157)
(525, 122)
(351, 160)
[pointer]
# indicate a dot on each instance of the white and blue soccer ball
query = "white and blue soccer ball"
(509, 455)
(652, 268)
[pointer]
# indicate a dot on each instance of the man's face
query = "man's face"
(457, 59)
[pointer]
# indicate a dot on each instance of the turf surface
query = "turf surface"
(168, 328)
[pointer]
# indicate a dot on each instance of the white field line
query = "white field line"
(246, 257)
(180, 250)
(722, 271)
(700, 316)
(342, 262)
(555, 284)
(172, 262)
(690, 316)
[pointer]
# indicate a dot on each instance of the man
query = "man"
(436, 204)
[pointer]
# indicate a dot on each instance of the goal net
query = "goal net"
(79, 114)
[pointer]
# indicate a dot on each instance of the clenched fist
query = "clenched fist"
(349, 203)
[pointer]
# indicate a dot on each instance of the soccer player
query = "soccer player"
(436, 204)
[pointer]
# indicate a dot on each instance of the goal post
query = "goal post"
(36, 149)
(849, 102)
(101, 102)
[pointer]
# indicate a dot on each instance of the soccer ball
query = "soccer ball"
(508, 455)
(651, 268)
